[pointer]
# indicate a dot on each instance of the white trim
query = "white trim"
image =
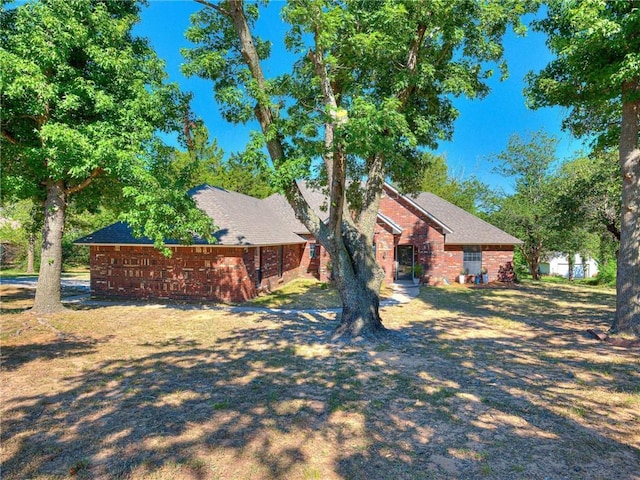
(395, 228)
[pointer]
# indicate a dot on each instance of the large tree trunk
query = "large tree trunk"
(360, 317)
(627, 317)
(359, 290)
(31, 253)
(48, 289)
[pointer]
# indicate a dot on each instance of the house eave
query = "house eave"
(489, 244)
(180, 245)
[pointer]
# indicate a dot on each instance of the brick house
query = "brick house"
(261, 245)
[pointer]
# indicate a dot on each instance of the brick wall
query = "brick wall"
(426, 237)
(493, 256)
(440, 261)
(227, 274)
(276, 272)
(385, 250)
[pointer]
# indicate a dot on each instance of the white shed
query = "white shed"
(558, 264)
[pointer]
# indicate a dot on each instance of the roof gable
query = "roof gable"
(420, 208)
(465, 228)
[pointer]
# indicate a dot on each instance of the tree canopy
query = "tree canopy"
(467, 194)
(529, 213)
(203, 162)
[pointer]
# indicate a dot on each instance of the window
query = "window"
(314, 250)
(280, 260)
(472, 259)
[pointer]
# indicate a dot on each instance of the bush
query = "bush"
(607, 273)
(520, 265)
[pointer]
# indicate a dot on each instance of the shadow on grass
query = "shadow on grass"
(14, 357)
(275, 401)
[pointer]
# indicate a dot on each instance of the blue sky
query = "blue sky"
(482, 128)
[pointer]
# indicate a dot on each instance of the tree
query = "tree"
(588, 197)
(372, 83)
(589, 192)
(82, 100)
(528, 213)
(466, 194)
(203, 163)
(596, 74)
(19, 226)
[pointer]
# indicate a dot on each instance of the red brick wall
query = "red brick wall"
(292, 267)
(439, 261)
(424, 235)
(312, 267)
(493, 256)
(385, 250)
(227, 274)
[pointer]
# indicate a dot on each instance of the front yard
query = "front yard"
(478, 384)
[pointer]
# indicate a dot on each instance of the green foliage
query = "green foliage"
(18, 220)
(520, 265)
(381, 110)
(203, 163)
(589, 193)
(466, 194)
(607, 273)
(596, 73)
(79, 224)
(528, 214)
(82, 102)
(372, 87)
(597, 49)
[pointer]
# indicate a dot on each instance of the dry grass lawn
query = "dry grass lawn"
(477, 384)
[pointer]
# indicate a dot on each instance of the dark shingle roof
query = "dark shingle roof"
(240, 220)
(466, 229)
(316, 199)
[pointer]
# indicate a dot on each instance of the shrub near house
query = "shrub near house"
(260, 245)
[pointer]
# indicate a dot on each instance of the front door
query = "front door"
(404, 255)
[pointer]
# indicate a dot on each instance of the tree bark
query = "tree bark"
(360, 318)
(48, 289)
(31, 253)
(571, 262)
(627, 318)
(532, 257)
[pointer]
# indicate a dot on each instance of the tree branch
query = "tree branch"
(334, 158)
(85, 183)
(412, 62)
(265, 117)
(10, 138)
(217, 8)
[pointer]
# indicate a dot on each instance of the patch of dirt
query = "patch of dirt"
(476, 384)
